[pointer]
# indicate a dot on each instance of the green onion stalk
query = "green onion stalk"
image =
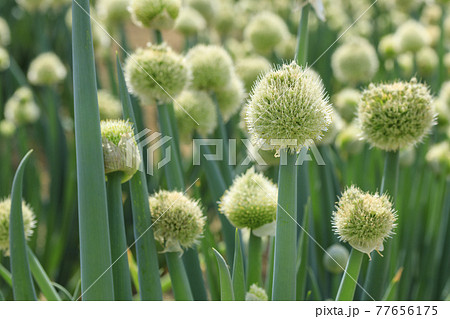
(120, 268)
(348, 284)
(285, 256)
(378, 271)
(254, 265)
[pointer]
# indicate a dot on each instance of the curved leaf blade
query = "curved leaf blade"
(22, 283)
(226, 285)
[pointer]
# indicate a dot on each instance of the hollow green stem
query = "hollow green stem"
(302, 36)
(389, 183)
(378, 271)
(120, 268)
(254, 260)
(195, 274)
(178, 276)
(350, 278)
(284, 277)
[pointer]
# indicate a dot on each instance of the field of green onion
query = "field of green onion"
(247, 150)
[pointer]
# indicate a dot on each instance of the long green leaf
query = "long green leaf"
(96, 275)
(146, 254)
(238, 270)
(284, 276)
(6, 275)
(22, 282)
(226, 285)
(39, 274)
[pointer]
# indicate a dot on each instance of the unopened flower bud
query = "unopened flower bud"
(120, 150)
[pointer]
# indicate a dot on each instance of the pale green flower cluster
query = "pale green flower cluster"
(120, 151)
(349, 141)
(200, 106)
(442, 105)
(346, 102)
(212, 70)
(249, 69)
(396, 115)
(207, 8)
(109, 106)
(364, 220)
(256, 294)
(265, 30)
(211, 66)
(178, 220)
(21, 108)
(355, 61)
(251, 202)
(156, 73)
(5, 33)
(46, 69)
(159, 14)
(7, 128)
(335, 258)
(4, 59)
(427, 61)
(189, 22)
(438, 156)
(29, 223)
(288, 108)
(113, 12)
(412, 36)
